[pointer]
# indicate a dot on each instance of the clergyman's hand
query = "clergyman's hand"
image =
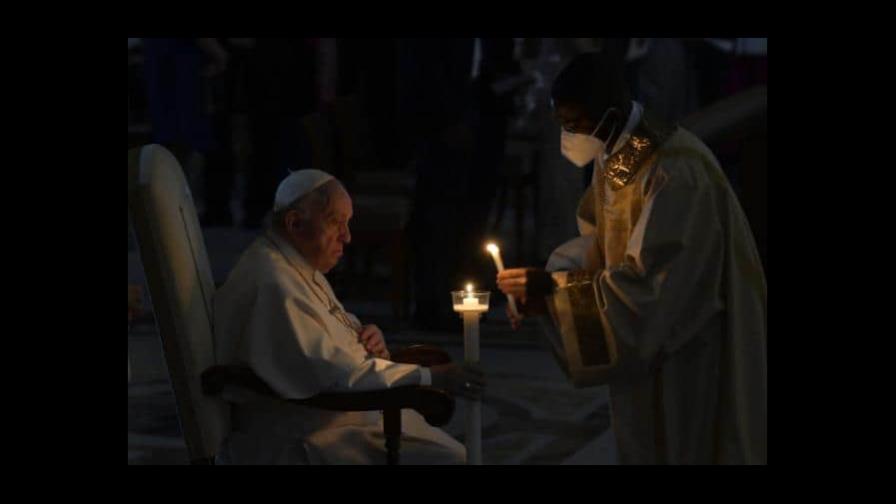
(523, 283)
(528, 286)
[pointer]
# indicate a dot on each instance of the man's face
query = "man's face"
(321, 242)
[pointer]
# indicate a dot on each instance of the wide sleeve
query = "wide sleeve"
(669, 284)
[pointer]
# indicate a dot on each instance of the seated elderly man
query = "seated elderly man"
(277, 314)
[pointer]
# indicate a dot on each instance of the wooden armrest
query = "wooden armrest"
(423, 355)
(436, 405)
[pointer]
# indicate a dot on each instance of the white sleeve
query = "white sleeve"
(425, 377)
(425, 374)
(291, 350)
(669, 282)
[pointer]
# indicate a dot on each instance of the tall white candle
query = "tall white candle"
(471, 308)
(496, 255)
(474, 408)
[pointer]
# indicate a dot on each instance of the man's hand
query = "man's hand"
(372, 338)
(529, 286)
(523, 283)
(465, 380)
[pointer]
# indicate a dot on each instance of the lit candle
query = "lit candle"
(470, 302)
(471, 305)
(496, 255)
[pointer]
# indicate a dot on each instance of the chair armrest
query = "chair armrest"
(423, 355)
(436, 405)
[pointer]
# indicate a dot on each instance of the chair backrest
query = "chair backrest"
(181, 286)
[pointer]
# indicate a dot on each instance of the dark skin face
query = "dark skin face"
(530, 285)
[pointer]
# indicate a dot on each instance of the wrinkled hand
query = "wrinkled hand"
(372, 338)
(528, 285)
(465, 380)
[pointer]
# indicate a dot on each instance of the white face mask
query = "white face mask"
(579, 148)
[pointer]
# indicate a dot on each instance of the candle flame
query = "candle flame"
(492, 248)
(470, 288)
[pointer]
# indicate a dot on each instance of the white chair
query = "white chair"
(181, 287)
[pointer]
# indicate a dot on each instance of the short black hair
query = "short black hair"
(594, 81)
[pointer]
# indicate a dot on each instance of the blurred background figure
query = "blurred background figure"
(436, 105)
(282, 87)
(225, 82)
(557, 177)
(457, 97)
(173, 72)
(664, 78)
(497, 81)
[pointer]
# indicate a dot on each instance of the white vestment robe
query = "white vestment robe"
(680, 288)
(278, 315)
